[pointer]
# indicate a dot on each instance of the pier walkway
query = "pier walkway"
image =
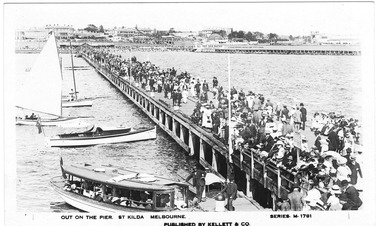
(192, 138)
(252, 174)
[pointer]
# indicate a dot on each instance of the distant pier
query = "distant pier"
(346, 50)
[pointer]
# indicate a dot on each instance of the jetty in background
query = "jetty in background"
(245, 48)
(209, 47)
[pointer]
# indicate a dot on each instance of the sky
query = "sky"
(339, 18)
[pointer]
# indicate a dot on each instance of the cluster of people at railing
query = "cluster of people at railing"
(272, 134)
(212, 114)
(339, 197)
(211, 110)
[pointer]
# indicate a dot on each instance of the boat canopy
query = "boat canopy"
(122, 178)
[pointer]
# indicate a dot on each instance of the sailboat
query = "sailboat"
(40, 92)
(74, 101)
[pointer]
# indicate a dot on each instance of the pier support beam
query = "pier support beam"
(167, 121)
(174, 126)
(249, 187)
(252, 165)
(201, 149)
(191, 144)
(214, 160)
(162, 117)
(181, 136)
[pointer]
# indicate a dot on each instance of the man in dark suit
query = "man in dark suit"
(350, 197)
(355, 170)
(268, 141)
(231, 194)
(303, 116)
(333, 140)
(199, 181)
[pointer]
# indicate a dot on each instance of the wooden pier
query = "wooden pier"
(344, 50)
(263, 182)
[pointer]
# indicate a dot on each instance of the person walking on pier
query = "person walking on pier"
(215, 86)
(297, 118)
(355, 170)
(303, 116)
(231, 194)
(285, 112)
(296, 199)
(166, 88)
(333, 140)
(198, 88)
(205, 86)
(199, 181)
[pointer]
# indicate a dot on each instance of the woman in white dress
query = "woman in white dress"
(185, 94)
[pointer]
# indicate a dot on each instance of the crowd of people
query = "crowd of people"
(269, 131)
(211, 111)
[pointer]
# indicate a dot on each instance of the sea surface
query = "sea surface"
(322, 83)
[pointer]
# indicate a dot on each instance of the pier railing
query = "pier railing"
(192, 138)
(210, 152)
(275, 178)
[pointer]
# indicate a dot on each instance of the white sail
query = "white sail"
(41, 89)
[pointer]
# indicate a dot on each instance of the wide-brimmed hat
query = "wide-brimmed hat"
(335, 189)
(341, 161)
(280, 143)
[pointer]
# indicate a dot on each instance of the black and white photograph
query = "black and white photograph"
(189, 113)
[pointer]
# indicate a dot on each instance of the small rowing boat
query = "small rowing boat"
(86, 102)
(98, 135)
(108, 189)
(57, 121)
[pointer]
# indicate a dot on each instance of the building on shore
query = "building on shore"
(215, 30)
(61, 31)
(84, 34)
(324, 39)
(35, 33)
(123, 32)
(41, 33)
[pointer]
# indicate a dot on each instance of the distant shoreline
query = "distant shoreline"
(31, 47)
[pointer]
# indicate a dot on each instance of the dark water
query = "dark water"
(328, 83)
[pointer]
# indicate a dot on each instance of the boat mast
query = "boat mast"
(229, 111)
(130, 64)
(72, 67)
(60, 68)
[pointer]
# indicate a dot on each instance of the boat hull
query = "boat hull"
(87, 204)
(77, 103)
(60, 122)
(133, 136)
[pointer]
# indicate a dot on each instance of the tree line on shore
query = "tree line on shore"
(234, 35)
